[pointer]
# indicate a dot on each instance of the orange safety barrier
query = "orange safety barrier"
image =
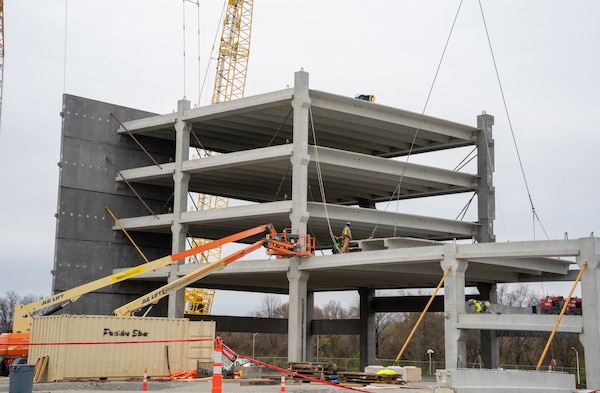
(183, 374)
(217, 379)
(145, 382)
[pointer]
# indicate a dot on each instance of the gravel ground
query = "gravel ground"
(205, 386)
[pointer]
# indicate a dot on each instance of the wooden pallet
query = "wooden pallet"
(311, 368)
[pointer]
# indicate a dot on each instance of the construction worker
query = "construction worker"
(346, 237)
(480, 306)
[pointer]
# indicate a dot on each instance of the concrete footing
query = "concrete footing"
(502, 381)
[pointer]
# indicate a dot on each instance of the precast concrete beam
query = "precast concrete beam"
(386, 220)
(238, 159)
(230, 213)
(422, 254)
(242, 105)
(150, 124)
(528, 265)
(148, 174)
(520, 322)
(443, 129)
(383, 167)
(527, 249)
(502, 381)
(159, 222)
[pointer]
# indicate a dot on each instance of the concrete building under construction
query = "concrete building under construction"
(305, 159)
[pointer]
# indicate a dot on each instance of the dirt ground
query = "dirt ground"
(205, 386)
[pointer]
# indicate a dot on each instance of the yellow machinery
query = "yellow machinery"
(230, 82)
(286, 244)
(234, 50)
(15, 345)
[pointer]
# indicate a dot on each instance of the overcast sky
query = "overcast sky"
(130, 53)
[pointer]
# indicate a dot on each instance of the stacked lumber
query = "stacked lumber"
(314, 369)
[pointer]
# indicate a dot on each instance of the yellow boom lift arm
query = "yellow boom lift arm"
(286, 244)
(23, 312)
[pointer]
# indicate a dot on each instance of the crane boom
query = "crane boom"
(234, 51)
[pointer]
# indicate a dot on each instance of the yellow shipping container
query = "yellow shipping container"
(97, 346)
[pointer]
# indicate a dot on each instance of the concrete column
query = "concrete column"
(300, 157)
(368, 334)
(310, 315)
(490, 343)
(486, 203)
(454, 303)
(180, 197)
(590, 308)
(297, 319)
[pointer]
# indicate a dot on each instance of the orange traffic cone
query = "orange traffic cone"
(282, 382)
(217, 378)
(145, 382)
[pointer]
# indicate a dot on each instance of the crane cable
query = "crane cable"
(211, 57)
(437, 71)
(197, 3)
(534, 213)
(320, 175)
(65, 53)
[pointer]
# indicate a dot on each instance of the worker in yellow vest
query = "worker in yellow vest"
(346, 237)
(480, 306)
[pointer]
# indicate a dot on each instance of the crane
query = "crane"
(230, 83)
(234, 51)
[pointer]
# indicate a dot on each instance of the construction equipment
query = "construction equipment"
(234, 50)
(282, 245)
(14, 346)
(553, 305)
(365, 97)
(230, 83)
(13, 350)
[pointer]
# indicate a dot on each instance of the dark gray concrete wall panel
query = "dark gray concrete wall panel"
(92, 154)
(84, 213)
(98, 259)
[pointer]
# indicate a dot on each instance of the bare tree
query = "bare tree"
(270, 306)
(7, 308)
(517, 295)
(384, 331)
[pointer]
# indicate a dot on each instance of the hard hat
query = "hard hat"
(347, 222)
